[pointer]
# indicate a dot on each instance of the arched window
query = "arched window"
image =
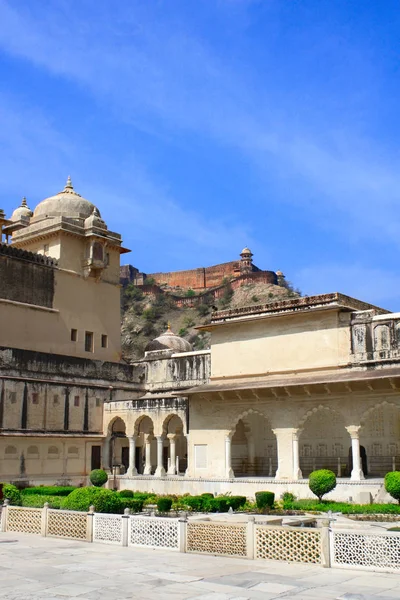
(53, 452)
(33, 451)
(11, 451)
(73, 451)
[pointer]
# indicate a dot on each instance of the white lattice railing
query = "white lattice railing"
(24, 520)
(216, 538)
(290, 544)
(66, 524)
(365, 550)
(154, 532)
(108, 529)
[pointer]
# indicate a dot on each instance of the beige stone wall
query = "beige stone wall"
(281, 344)
(46, 459)
(81, 304)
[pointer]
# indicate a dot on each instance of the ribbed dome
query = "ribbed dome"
(21, 211)
(246, 251)
(66, 203)
(169, 341)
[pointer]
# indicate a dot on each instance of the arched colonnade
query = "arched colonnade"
(323, 439)
(144, 452)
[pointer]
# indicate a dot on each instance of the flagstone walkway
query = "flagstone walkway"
(36, 568)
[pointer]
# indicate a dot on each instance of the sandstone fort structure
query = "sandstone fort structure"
(285, 388)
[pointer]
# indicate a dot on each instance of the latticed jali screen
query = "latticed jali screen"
(366, 550)
(66, 524)
(107, 529)
(288, 544)
(25, 520)
(216, 538)
(154, 532)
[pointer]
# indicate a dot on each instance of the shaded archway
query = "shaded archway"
(146, 446)
(254, 447)
(175, 446)
(324, 442)
(119, 446)
(380, 436)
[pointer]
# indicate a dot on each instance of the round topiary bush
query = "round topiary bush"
(98, 477)
(392, 484)
(12, 493)
(321, 482)
(126, 494)
(265, 500)
(80, 499)
(164, 504)
(107, 501)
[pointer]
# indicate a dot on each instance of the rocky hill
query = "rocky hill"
(146, 313)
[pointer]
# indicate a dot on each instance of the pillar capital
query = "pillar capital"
(354, 431)
(172, 436)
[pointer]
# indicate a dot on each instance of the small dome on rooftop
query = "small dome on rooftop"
(169, 341)
(66, 203)
(22, 211)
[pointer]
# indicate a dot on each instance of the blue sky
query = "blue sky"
(202, 126)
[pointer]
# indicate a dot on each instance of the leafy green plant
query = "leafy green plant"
(98, 477)
(182, 332)
(190, 293)
(392, 484)
(164, 504)
(107, 501)
(255, 298)
(39, 500)
(220, 504)
(80, 499)
(265, 500)
(134, 504)
(12, 493)
(195, 503)
(322, 482)
(236, 502)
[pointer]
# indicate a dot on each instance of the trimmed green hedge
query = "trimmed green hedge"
(164, 504)
(265, 500)
(38, 501)
(126, 494)
(98, 477)
(50, 490)
(135, 505)
(80, 499)
(344, 507)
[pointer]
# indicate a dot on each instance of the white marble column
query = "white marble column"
(160, 471)
(228, 456)
(105, 458)
(251, 452)
(357, 472)
(132, 456)
(147, 453)
(297, 474)
(284, 443)
(172, 454)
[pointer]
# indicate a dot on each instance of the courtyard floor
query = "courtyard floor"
(35, 568)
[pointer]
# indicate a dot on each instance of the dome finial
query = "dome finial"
(169, 326)
(23, 203)
(68, 185)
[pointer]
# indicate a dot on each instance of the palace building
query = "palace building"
(286, 388)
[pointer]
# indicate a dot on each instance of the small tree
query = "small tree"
(98, 477)
(321, 482)
(392, 484)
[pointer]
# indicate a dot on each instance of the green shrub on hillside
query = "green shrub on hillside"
(392, 484)
(322, 482)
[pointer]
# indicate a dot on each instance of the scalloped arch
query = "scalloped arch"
(169, 418)
(244, 414)
(111, 423)
(371, 409)
(314, 410)
(139, 420)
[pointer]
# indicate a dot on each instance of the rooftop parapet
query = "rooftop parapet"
(7, 250)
